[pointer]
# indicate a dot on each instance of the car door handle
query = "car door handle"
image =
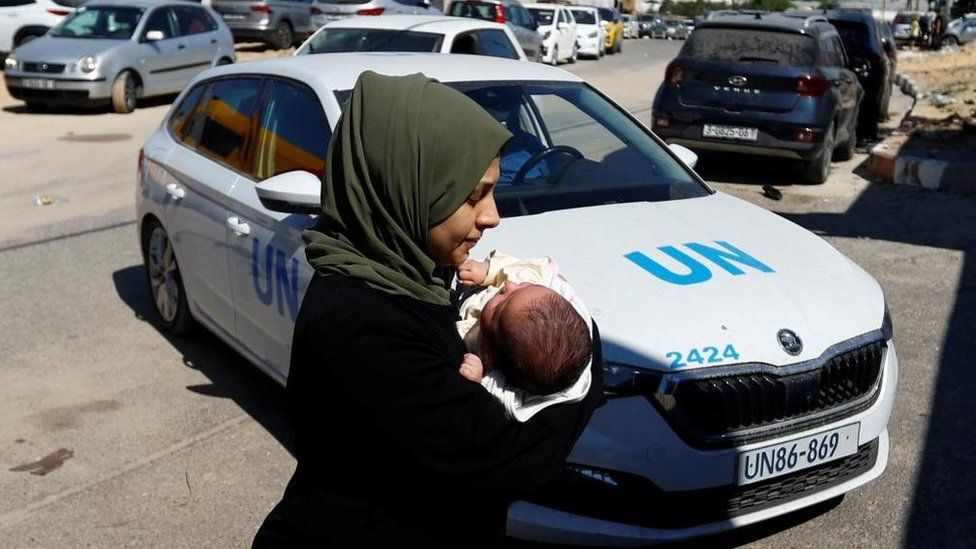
(213, 40)
(175, 191)
(181, 46)
(239, 227)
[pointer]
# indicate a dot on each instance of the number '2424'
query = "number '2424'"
(705, 355)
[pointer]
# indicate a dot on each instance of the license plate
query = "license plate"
(39, 83)
(798, 454)
(730, 132)
(233, 16)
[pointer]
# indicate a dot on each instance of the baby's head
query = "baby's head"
(535, 337)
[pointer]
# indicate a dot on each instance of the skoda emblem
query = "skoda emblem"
(738, 80)
(43, 66)
(789, 341)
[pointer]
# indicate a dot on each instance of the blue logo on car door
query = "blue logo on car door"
(279, 279)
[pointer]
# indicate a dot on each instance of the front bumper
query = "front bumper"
(588, 46)
(695, 489)
(67, 90)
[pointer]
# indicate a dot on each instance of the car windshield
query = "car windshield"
(543, 16)
(750, 46)
(572, 148)
(584, 17)
(339, 40)
(104, 22)
(474, 10)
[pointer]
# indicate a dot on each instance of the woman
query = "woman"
(393, 445)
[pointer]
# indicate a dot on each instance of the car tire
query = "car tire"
(868, 128)
(817, 170)
(601, 51)
(846, 151)
(555, 56)
(950, 40)
(166, 290)
(283, 36)
(885, 104)
(619, 45)
(125, 92)
(575, 56)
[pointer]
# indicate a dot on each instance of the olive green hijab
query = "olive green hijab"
(407, 153)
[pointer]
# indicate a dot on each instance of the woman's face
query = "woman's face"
(450, 241)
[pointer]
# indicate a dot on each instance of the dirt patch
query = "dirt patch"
(946, 83)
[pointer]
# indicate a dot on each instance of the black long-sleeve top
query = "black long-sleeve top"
(393, 445)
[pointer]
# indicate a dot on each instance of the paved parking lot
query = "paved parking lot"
(181, 443)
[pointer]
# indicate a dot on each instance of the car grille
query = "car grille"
(747, 407)
(47, 68)
(633, 499)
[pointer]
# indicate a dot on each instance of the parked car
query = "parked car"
(558, 30)
(676, 30)
(417, 33)
(278, 23)
(651, 25)
(748, 367)
(902, 24)
(873, 65)
(24, 20)
(326, 11)
(590, 34)
(509, 12)
(631, 28)
(117, 52)
(615, 29)
(960, 31)
(762, 84)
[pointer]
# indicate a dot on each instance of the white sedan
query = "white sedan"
(749, 366)
(414, 33)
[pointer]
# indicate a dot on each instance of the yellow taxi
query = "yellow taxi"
(615, 29)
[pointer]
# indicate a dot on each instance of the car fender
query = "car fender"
(28, 30)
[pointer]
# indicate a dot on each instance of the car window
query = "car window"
(855, 36)
(750, 46)
(99, 22)
(524, 17)
(293, 133)
(584, 17)
(337, 40)
(162, 20)
(194, 20)
(542, 16)
(188, 117)
(490, 42)
(228, 120)
(474, 10)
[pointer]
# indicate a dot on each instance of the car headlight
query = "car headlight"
(10, 63)
(594, 34)
(621, 380)
(88, 64)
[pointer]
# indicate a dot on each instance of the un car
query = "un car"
(749, 366)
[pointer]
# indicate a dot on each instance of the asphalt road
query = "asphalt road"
(181, 443)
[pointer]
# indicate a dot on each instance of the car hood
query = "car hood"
(784, 277)
(51, 49)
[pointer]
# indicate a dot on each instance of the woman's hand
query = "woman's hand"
(472, 272)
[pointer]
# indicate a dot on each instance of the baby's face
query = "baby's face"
(509, 303)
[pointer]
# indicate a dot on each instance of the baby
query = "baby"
(527, 334)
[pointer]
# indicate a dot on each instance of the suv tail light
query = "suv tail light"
(499, 13)
(811, 85)
(315, 11)
(674, 75)
(261, 7)
(371, 11)
(58, 12)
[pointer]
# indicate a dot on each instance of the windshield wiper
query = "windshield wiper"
(759, 59)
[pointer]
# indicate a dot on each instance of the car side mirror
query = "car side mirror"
(684, 154)
(154, 36)
(291, 192)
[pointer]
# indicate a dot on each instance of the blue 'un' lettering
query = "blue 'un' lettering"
(724, 257)
(264, 294)
(284, 284)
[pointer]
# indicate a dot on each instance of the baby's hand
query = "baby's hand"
(471, 368)
(472, 272)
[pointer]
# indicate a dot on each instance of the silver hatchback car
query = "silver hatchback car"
(117, 52)
(278, 23)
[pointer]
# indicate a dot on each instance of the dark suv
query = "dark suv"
(762, 84)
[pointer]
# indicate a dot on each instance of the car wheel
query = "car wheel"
(618, 46)
(950, 40)
(555, 56)
(868, 126)
(125, 91)
(575, 56)
(846, 151)
(601, 51)
(885, 103)
(817, 170)
(283, 36)
(165, 283)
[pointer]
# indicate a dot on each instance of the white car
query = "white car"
(590, 32)
(749, 366)
(24, 20)
(631, 28)
(558, 30)
(326, 11)
(415, 33)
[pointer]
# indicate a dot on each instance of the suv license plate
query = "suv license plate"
(798, 454)
(730, 132)
(39, 83)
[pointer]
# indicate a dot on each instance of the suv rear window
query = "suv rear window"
(474, 10)
(855, 36)
(750, 46)
(584, 17)
(339, 40)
